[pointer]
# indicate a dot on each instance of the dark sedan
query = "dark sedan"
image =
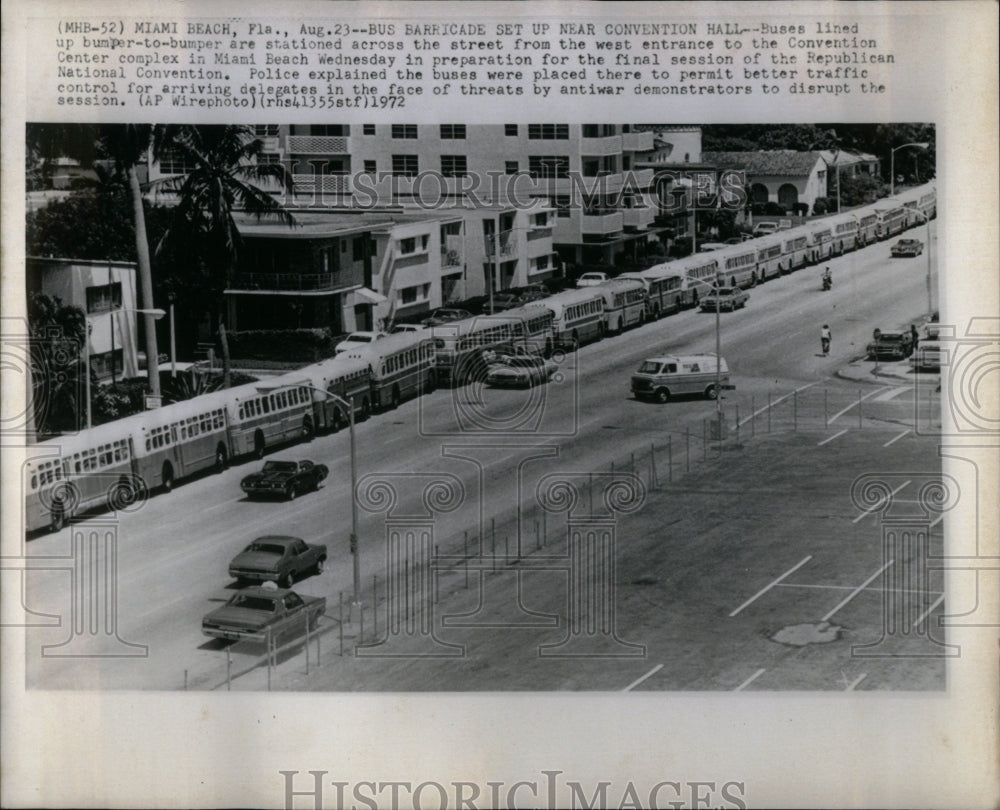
(277, 559)
(908, 247)
(284, 479)
(890, 346)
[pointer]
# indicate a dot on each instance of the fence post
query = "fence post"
(859, 408)
(768, 411)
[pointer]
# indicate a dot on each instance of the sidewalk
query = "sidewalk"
(877, 373)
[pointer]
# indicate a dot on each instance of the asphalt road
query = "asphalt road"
(490, 452)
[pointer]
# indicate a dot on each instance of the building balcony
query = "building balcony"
(638, 218)
(264, 283)
(317, 144)
(333, 184)
(637, 141)
(601, 147)
(507, 249)
(602, 222)
(451, 257)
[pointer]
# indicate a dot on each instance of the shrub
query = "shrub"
(774, 209)
(290, 345)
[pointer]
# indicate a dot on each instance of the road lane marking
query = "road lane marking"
(852, 587)
(857, 590)
(750, 680)
(892, 393)
(929, 610)
(856, 681)
(879, 505)
(831, 438)
(775, 402)
(649, 674)
(896, 438)
(764, 590)
(854, 404)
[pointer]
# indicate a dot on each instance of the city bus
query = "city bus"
(402, 366)
(346, 377)
(625, 303)
(664, 289)
(738, 265)
(820, 241)
(700, 273)
(845, 233)
(578, 315)
(794, 250)
(769, 255)
(459, 346)
(264, 414)
(891, 219)
(532, 328)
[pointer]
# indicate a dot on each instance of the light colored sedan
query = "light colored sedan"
(356, 339)
(591, 279)
(731, 298)
(520, 372)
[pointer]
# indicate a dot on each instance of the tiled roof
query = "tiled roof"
(785, 162)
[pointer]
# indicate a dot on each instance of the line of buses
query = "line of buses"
(117, 464)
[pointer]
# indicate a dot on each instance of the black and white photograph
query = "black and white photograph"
(357, 392)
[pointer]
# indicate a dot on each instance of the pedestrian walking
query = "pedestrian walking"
(824, 338)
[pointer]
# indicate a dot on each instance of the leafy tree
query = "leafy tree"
(57, 364)
(203, 229)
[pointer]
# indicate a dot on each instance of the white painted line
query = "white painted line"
(762, 591)
(896, 438)
(892, 393)
(856, 681)
(649, 674)
(929, 610)
(879, 505)
(854, 404)
(750, 680)
(775, 402)
(831, 438)
(856, 591)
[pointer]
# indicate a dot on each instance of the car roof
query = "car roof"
(282, 539)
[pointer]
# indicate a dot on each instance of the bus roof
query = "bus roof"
(388, 345)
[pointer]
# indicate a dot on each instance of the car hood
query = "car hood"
(256, 560)
(273, 477)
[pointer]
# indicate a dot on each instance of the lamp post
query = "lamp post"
(718, 352)
(922, 145)
(156, 315)
(173, 343)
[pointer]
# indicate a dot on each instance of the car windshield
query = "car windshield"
(279, 466)
(649, 367)
(724, 291)
(261, 603)
(266, 548)
(360, 337)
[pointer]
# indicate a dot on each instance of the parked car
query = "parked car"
(445, 315)
(526, 296)
(708, 247)
(591, 279)
(355, 339)
(927, 356)
(501, 302)
(890, 346)
(406, 327)
(725, 298)
(279, 559)
(765, 228)
(254, 611)
(284, 479)
(522, 371)
(907, 247)
(660, 378)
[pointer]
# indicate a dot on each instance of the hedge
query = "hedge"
(289, 345)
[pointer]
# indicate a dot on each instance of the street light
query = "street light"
(922, 145)
(155, 313)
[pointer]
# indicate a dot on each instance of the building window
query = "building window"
(540, 264)
(413, 295)
(454, 166)
(453, 132)
(404, 165)
(335, 130)
(511, 167)
(104, 298)
(548, 167)
(539, 220)
(268, 159)
(548, 132)
(408, 131)
(370, 167)
(359, 248)
(414, 244)
(510, 130)
(598, 130)
(265, 130)
(367, 129)
(173, 162)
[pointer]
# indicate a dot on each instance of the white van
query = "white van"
(660, 378)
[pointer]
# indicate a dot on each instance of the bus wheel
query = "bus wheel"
(662, 395)
(711, 392)
(168, 477)
(58, 518)
(429, 385)
(395, 396)
(221, 459)
(258, 444)
(307, 429)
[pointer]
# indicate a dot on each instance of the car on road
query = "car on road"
(907, 247)
(278, 558)
(927, 356)
(765, 228)
(253, 612)
(591, 279)
(660, 378)
(521, 371)
(356, 339)
(725, 298)
(284, 479)
(406, 327)
(890, 346)
(445, 315)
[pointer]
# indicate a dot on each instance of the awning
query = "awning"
(368, 296)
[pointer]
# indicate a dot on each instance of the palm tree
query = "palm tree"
(221, 180)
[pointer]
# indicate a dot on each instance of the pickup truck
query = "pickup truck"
(253, 611)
